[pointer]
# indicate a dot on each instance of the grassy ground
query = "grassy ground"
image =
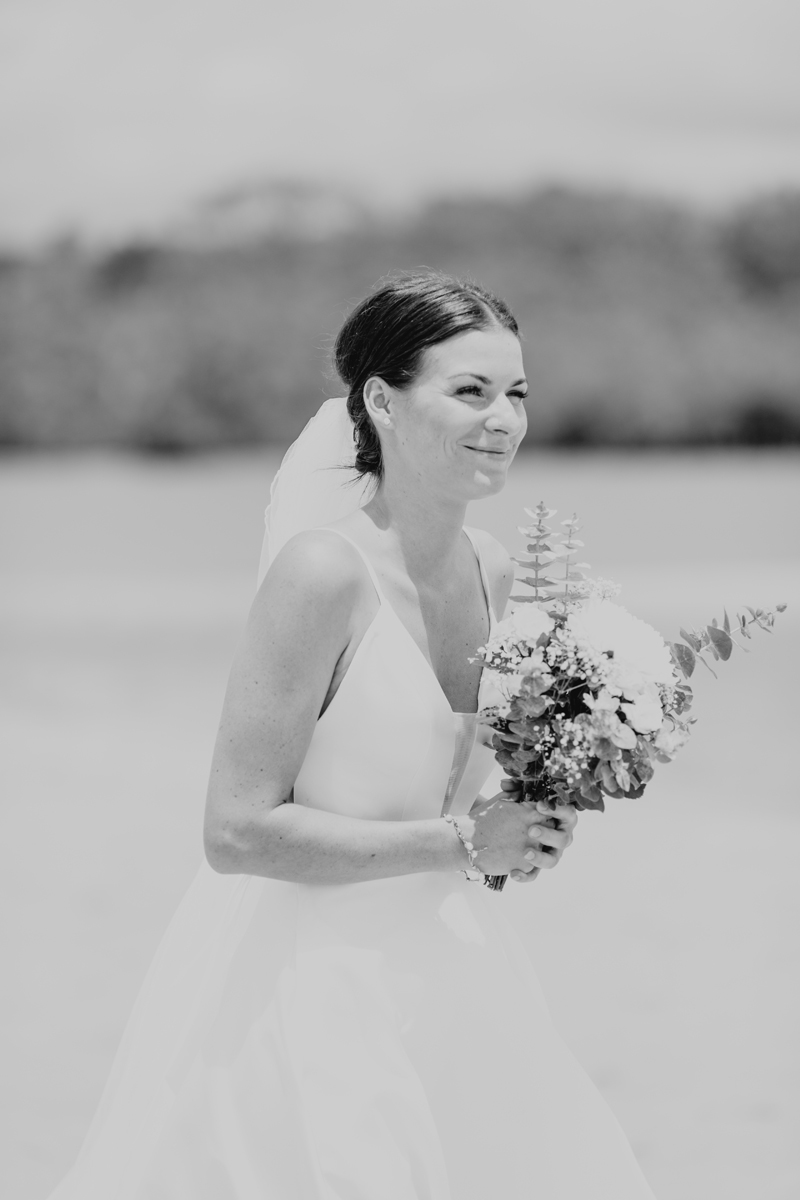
(667, 940)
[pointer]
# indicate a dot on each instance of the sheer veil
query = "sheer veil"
(182, 992)
(316, 483)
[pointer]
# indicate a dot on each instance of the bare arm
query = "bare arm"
(303, 621)
(301, 624)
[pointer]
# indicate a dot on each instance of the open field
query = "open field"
(667, 940)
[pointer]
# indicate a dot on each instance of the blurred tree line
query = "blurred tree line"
(644, 323)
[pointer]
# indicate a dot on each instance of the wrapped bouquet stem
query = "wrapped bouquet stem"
(584, 698)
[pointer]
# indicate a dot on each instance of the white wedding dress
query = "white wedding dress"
(370, 1041)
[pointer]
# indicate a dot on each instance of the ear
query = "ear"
(378, 397)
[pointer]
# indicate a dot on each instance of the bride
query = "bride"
(339, 1011)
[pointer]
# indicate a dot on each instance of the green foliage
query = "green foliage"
(554, 577)
(585, 713)
(763, 241)
(717, 641)
(641, 321)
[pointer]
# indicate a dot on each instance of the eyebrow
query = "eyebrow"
(484, 380)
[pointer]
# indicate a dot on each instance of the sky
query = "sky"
(117, 116)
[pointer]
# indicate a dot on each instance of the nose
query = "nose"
(505, 417)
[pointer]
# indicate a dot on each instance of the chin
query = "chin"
(489, 483)
(485, 476)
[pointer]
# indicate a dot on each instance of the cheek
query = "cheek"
(434, 431)
(425, 446)
(439, 434)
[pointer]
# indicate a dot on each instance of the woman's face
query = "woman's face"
(458, 426)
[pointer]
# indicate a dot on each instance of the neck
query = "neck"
(426, 529)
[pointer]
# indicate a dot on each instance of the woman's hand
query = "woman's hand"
(519, 839)
(551, 834)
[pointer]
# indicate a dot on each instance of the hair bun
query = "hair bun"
(389, 331)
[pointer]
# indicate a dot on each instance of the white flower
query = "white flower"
(604, 701)
(635, 645)
(671, 737)
(498, 690)
(526, 623)
(602, 589)
(645, 714)
(624, 680)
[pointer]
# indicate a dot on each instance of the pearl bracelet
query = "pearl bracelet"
(468, 846)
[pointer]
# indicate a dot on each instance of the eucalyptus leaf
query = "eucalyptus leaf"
(691, 639)
(721, 641)
(707, 665)
(685, 657)
(591, 793)
(539, 580)
(635, 792)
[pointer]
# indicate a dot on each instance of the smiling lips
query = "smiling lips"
(490, 450)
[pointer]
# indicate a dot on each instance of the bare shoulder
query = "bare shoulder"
(319, 560)
(499, 568)
(317, 576)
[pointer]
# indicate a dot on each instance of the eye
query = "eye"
(521, 396)
(470, 389)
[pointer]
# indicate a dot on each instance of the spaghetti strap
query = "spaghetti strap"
(376, 583)
(484, 577)
(372, 574)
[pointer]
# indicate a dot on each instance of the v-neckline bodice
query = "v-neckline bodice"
(389, 744)
(435, 678)
(385, 604)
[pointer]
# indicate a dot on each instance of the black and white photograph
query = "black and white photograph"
(399, 600)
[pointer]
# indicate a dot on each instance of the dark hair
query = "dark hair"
(387, 334)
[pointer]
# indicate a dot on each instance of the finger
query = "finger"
(540, 858)
(511, 785)
(551, 807)
(558, 839)
(539, 819)
(524, 873)
(525, 876)
(546, 808)
(565, 814)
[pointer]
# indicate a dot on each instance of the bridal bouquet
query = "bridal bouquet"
(585, 698)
